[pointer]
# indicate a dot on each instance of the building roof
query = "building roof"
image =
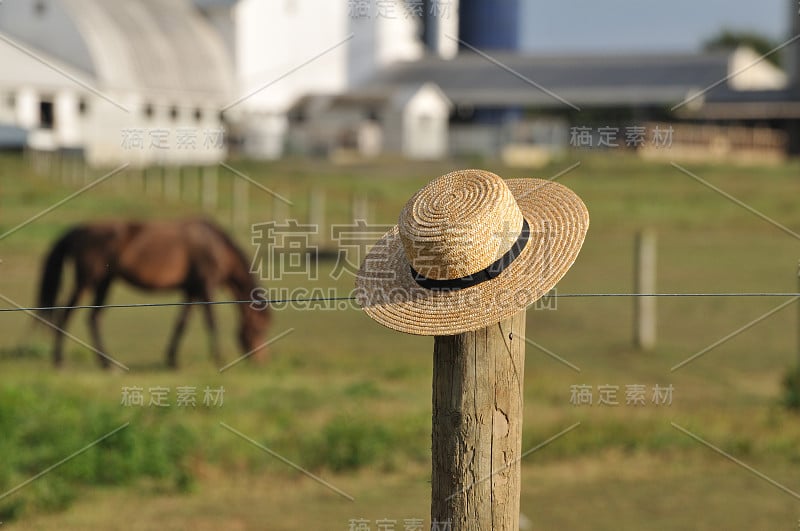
(375, 98)
(153, 44)
(505, 79)
(30, 66)
(143, 45)
(727, 104)
(202, 4)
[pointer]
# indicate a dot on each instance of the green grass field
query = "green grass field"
(350, 401)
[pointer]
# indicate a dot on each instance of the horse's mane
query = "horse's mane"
(237, 251)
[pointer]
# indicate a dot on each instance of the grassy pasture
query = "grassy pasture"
(350, 400)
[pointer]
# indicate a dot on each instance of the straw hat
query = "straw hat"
(471, 249)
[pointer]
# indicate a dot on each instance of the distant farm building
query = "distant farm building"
(411, 121)
(188, 81)
(139, 81)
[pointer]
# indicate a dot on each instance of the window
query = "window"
(46, 113)
(40, 8)
(198, 114)
(148, 110)
(11, 100)
(83, 106)
(173, 112)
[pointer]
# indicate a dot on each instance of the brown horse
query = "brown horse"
(194, 256)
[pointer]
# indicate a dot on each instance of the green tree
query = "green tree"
(729, 39)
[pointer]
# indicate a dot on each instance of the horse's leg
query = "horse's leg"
(177, 333)
(94, 321)
(213, 340)
(60, 325)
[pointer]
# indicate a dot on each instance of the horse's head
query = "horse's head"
(253, 331)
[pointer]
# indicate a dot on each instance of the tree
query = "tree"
(729, 39)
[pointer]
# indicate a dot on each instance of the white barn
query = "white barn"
(283, 50)
(139, 82)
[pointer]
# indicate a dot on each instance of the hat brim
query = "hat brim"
(388, 293)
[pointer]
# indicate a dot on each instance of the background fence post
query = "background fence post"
(316, 215)
(239, 203)
(280, 209)
(360, 207)
(644, 313)
(190, 180)
(152, 182)
(172, 183)
(209, 188)
(477, 426)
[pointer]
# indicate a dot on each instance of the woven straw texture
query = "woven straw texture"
(457, 225)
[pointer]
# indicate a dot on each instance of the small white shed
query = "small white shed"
(416, 121)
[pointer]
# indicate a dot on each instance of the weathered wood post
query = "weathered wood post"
(477, 426)
(644, 310)
(440, 272)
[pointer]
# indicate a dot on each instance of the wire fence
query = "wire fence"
(263, 302)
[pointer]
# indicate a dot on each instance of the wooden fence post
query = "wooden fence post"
(139, 180)
(172, 183)
(360, 208)
(316, 215)
(644, 313)
(209, 188)
(59, 162)
(87, 173)
(152, 183)
(51, 165)
(280, 209)
(477, 426)
(190, 177)
(240, 199)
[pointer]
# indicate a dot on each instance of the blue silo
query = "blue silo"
(490, 24)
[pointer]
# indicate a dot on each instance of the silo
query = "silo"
(490, 24)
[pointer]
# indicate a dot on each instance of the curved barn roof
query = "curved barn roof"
(143, 45)
(152, 45)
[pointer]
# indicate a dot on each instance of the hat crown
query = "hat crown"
(459, 224)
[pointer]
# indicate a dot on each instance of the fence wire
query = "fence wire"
(263, 302)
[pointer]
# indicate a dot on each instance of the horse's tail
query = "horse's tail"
(51, 273)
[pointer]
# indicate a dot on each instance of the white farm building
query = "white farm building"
(187, 81)
(122, 81)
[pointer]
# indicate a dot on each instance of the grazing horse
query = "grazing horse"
(194, 256)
